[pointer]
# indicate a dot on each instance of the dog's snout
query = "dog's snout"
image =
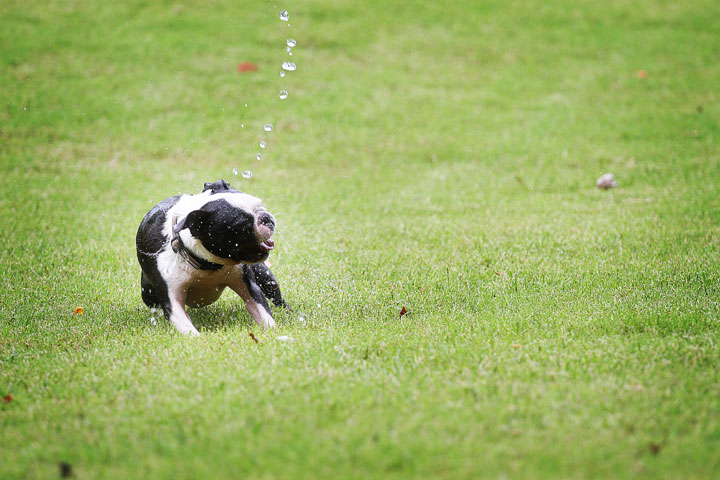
(267, 220)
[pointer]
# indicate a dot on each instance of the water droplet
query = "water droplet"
(283, 94)
(258, 157)
(247, 174)
(290, 53)
(263, 144)
(268, 127)
(288, 49)
(291, 42)
(246, 105)
(284, 15)
(289, 66)
(234, 171)
(282, 73)
(242, 125)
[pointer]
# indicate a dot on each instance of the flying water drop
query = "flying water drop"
(258, 157)
(246, 174)
(263, 144)
(282, 73)
(289, 66)
(234, 171)
(283, 94)
(291, 42)
(268, 127)
(284, 15)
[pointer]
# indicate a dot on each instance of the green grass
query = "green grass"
(435, 156)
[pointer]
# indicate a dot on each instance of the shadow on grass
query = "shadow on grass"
(218, 317)
(211, 318)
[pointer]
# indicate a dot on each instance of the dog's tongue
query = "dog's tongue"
(267, 245)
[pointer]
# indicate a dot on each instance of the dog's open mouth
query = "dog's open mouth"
(267, 245)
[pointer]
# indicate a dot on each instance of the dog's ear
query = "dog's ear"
(192, 220)
(218, 187)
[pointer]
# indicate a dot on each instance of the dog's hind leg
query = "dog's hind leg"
(148, 291)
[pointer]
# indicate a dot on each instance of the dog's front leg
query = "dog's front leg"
(255, 302)
(173, 305)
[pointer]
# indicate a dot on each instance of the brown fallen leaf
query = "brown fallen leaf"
(641, 74)
(252, 335)
(79, 311)
(247, 67)
(655, 447)
(403, 312)
(7, 398)
(65, 470)
(516, 345)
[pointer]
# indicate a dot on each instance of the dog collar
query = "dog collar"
(196, 262)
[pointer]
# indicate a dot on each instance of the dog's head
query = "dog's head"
(230, 224)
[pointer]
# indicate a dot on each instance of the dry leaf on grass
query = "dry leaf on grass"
(247, 67)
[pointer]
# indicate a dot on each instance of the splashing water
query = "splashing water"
(284, 15)
(268, 127)
(282, 73)
(291, 42)
(234, 171)
(283, 94)
(258, 157)
(289, 66)
(247, 174)
(263, 144)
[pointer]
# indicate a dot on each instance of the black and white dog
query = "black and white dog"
(191, 247)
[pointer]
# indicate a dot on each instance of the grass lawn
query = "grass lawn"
(436, 156)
